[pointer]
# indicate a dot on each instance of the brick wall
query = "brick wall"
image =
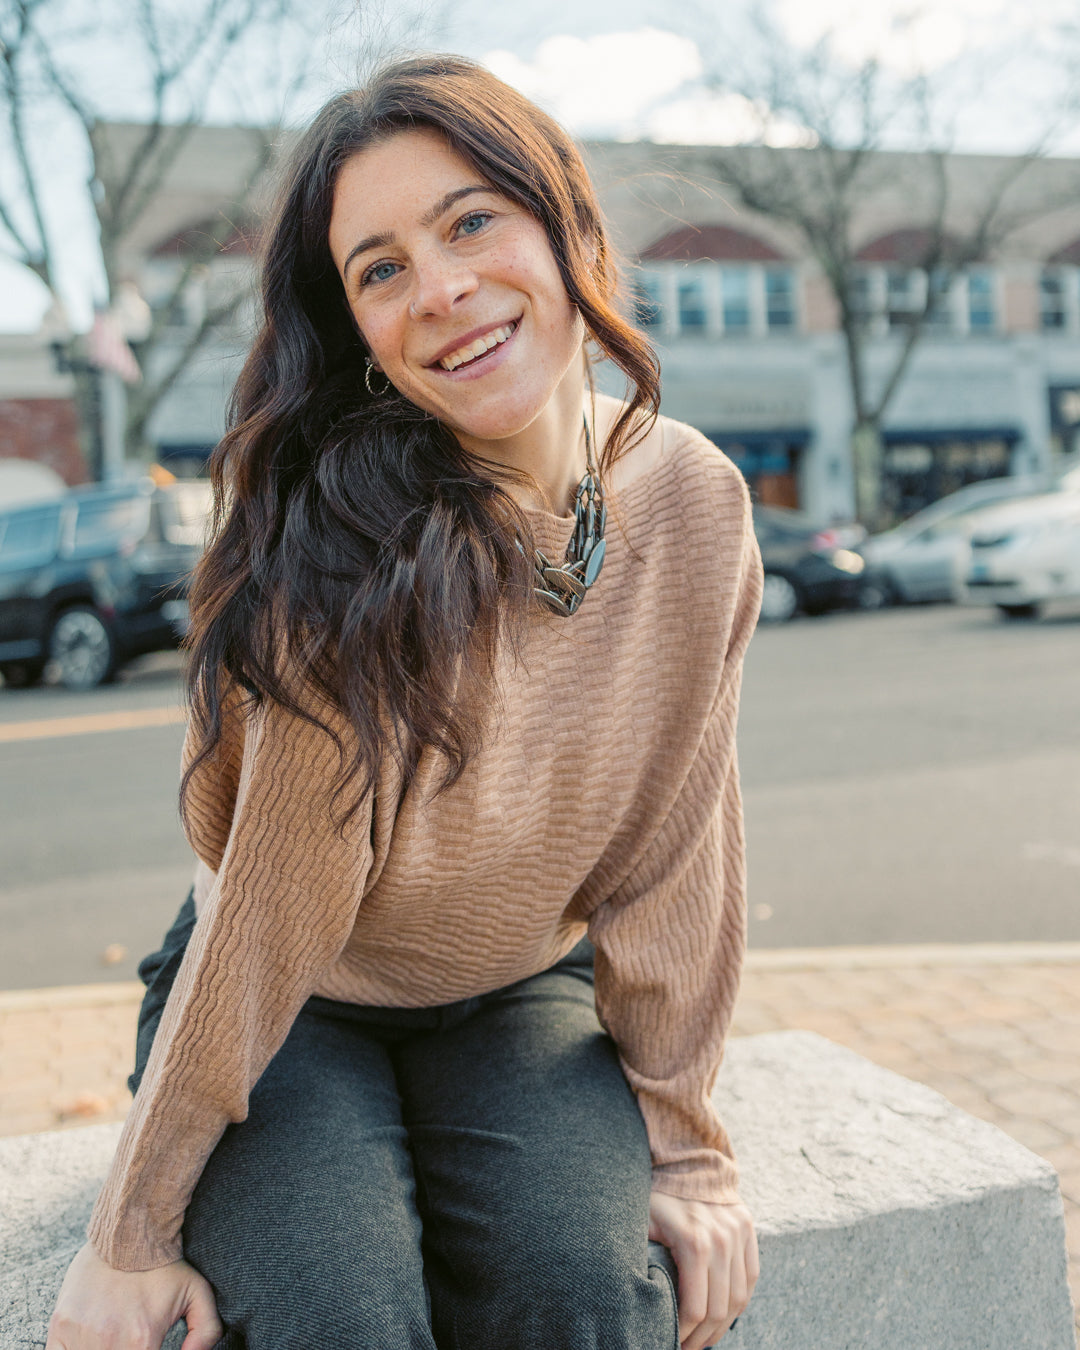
(45, 430)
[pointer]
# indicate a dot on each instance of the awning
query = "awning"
(758, 452)
(942, 435)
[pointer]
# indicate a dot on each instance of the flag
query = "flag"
(108, 349)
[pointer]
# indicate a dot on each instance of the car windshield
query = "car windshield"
(103, 523)
(29, 537)
(969, 500)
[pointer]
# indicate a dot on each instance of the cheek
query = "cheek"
(378, 336)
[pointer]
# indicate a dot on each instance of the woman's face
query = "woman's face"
(453, 287)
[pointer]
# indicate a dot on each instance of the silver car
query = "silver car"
(926, 556)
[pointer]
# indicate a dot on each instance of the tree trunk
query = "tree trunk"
(868, 460)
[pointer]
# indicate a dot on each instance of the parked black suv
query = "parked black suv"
(96, 577)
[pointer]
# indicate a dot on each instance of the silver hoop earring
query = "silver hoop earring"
(369, 366)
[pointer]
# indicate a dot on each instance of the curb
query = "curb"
(762, 959)
(929, 954)
(71, 996)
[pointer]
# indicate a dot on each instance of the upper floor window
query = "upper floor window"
(737, 298)
(1059, 300)
(905, 295)
(711, 299)
(890, 298)
(649, 300)
(693, 304)
(982, 309)
(780, 299)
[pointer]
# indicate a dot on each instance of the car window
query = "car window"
(967, 500)
(28, 538)
(950, 527)
(103, 524)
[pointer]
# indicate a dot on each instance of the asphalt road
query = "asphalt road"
(909, 776)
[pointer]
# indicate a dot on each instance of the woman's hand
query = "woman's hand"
(100, 1308)
(715, 1250)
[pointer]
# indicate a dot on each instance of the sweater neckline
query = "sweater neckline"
(628, 490)
(551, 533)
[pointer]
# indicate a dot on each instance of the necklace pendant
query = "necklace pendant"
(553, 601)
(562, 587)
(595, 561)
(564, 582)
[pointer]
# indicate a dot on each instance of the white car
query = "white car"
(925, 557)
(1025, 554)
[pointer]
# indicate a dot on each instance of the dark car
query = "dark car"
(808, 567)
(96, 577)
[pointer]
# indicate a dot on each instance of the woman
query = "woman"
(431, 747)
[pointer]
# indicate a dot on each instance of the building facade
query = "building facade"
(751, 348)
(38, 421)
(746, 324)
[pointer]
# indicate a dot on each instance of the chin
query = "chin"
(495, 423)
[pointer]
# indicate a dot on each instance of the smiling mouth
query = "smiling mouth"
(476, 350)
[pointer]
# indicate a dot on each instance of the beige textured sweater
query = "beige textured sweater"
(605, 799)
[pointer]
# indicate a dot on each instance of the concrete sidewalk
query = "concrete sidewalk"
(995, 1028)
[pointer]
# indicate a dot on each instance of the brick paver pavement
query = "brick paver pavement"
(996, 1029)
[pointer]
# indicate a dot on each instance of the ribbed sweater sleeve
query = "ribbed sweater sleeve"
(277, 916)
(670, 941)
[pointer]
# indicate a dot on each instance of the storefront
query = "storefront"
(923, 465)
(769, 461)
(1064, 418)
(186, 459)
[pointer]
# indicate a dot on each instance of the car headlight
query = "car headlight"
(848, 561)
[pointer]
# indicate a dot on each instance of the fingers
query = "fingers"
(727, 1288)
(692, 1259)
(717, 1274)
(55, 1341)
(204, 1325)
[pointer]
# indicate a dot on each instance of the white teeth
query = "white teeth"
(477, 348)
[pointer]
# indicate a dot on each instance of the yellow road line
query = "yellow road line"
(47, 727)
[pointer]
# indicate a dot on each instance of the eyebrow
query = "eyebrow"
(428, 219)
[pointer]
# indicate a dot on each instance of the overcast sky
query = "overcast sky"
(617, 69)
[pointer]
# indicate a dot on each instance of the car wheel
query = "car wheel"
(875, 593)
(21, 674)
(779, 598)
(1019, 611)
(82, 647)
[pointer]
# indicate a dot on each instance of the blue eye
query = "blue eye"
(382, 271)
(474, 223)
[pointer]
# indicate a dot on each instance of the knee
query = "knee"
(363, 1303)
(574, 1294)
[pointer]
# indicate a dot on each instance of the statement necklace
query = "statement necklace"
(562, 586)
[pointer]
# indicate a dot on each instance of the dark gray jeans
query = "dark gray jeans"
(466, 1177)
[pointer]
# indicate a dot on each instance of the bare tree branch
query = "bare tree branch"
(37, 258)
(822, 192)
(142, 404)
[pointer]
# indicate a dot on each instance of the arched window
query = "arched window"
(714, 281)
(1059, 291)
(912, 276)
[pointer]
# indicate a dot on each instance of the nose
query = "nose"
(440, 283)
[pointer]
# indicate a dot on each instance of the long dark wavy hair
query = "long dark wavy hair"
(361, 561)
